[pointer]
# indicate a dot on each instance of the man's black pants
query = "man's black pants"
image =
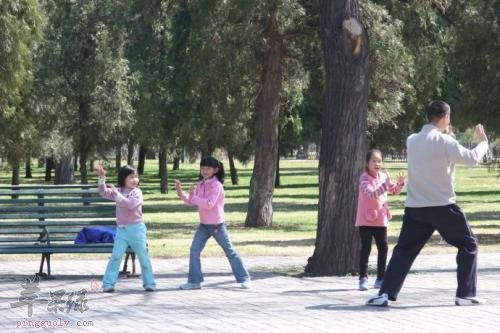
(418, 226)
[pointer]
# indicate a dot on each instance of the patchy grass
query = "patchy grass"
(171, 224)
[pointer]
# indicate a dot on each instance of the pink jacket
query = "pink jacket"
(372, 200)
(128, 203)
(208, 195)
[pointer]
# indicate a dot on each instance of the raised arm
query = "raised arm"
(459, 154)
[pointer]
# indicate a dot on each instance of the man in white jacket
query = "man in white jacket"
(431, 205)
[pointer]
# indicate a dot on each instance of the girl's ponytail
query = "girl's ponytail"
(220, 174)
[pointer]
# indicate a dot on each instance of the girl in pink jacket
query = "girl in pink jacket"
(373, 214)
(208, 195)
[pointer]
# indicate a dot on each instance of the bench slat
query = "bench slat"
(50, 192)
(110, 221)
(43, 209)
(60, 215)
(54, 200)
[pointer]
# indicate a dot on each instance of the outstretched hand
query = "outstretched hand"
(178, 185)
(401, 178)
(99, 169)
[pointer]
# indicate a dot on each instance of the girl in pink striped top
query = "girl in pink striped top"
(373, 214)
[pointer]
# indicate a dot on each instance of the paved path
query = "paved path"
(275, 303)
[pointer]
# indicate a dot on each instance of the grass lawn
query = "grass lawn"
(171, 224)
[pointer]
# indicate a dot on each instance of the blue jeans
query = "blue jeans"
(203, 233)
(133, 235)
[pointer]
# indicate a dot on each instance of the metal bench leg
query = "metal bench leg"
(125, 266)
(133, 264)
(124, 270)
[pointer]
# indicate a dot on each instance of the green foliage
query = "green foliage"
(475, 64)
(83, 78)
(21, 24)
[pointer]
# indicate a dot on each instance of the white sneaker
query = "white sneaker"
(190, 286)
(468, 301)
(380, 300)
(245, 285)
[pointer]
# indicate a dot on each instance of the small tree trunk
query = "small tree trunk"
(15, 171)
(177, 159)
(233, 170)
(118, 158)
(28, 173)
(75, 163)
(83, 168)
(130, 152)
(347, 65)
(162, 160)
(49, 166)
(64, 171)
(15, 163)
(260, 208)
(142, 159)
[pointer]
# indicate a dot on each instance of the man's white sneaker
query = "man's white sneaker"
(380, 300)
(245, 285)
(468, 301)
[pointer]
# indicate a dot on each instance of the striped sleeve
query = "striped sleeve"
(371, 191)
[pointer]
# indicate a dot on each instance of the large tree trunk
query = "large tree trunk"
(346, 56)
(260, 209)
(142, 159)
(162, 160)
(64, 171)
(232, 168)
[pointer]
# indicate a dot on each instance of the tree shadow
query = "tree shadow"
(366, 308)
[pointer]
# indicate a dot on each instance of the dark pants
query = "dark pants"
(380, 235)
(418, 226)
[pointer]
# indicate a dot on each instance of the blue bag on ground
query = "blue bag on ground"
(90, 235)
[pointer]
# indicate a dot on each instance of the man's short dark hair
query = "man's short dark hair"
(437, 110)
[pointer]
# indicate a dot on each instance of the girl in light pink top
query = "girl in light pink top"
(208, 196)
(373, 214)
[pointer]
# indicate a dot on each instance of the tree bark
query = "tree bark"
(142, 159)
(232, 168)
(260, 209)
(343, 143)
(162, 160)
(64, 171)
(277, 179)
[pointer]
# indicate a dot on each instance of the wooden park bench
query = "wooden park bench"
(46, 219)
